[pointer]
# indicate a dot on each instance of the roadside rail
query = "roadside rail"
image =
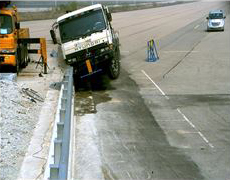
(59, 154)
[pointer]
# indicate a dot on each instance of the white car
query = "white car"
(216, 20)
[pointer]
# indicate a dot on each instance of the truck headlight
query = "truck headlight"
(70, 61)
(6, 51)
(104, 49)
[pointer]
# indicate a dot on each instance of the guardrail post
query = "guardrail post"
(54, 170)
(63, 103)
(65, 84)
(64, 92)
(66, 77)
(62, 115)
(60, 127)
(57, 150)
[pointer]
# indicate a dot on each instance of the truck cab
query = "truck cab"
(12, 53)
(88, 41)
(8, 42)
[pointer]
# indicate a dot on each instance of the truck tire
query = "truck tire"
(16, 67)
(25, 57)
(114, 66)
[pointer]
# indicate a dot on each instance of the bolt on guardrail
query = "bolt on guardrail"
(59, 170)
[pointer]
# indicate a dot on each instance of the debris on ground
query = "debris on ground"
(18, 118)
(40, 75)
(32, 94)
(54, 53)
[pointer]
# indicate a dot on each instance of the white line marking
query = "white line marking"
(162, 92)
(205, 139)
(191, 124)
(196, 26)
(186, 119)
(128, 175)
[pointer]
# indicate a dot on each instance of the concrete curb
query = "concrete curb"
(36, 156)
(50, 159)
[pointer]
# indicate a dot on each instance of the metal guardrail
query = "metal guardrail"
(59, 167)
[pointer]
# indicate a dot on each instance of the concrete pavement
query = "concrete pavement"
(163, 120)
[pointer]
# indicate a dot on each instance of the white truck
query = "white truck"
(88, 41)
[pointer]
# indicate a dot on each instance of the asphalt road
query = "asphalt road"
(164, 120)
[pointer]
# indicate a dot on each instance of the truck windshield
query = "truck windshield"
(216, 15)
(6, 26)
(82, 25)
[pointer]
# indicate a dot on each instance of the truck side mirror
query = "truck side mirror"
(53, 36)
(224, 17)
(109, 16)
(207, 18)
(17, 25)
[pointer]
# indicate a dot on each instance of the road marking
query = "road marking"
(128, 175)
(162, 92)
(186, 119)
(191, 124)
(196, 26)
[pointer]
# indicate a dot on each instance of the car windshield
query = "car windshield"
(216, 15)
(82, 25)
(6, 26)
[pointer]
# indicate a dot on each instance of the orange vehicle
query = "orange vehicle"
(12, 51)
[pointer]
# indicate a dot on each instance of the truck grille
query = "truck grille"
(84, 54)
(215, 23)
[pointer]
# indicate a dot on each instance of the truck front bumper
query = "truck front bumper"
(6, 59)
(96, 54)
(89, 65)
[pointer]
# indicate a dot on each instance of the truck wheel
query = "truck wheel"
(25, 56)
(16, 67)
(114, 66)
(76, 79)
(18, 56)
